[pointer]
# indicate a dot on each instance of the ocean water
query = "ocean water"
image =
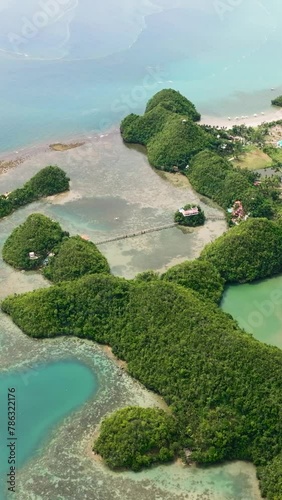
(42, 395)
(72, 67)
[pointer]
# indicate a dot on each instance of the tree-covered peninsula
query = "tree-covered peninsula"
(248, 252)
(48, 181)
(168, 130)
(207, 155)
(224, 388)
(135, 437)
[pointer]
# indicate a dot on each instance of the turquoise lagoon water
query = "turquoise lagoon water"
(93, 62)
(44, 395)
(258, 308)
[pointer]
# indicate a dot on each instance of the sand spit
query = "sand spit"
(59, 146)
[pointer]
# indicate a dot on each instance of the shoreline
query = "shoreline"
(251, 121)
(13, 158)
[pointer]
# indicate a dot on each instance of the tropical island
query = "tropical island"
(190, 216)
(223, 388)
(47, 182)
(41, 243)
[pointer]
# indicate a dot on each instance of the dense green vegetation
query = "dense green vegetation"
(147, 276)
(63, 258)
(48, 181)
(216, 178)
(197, 275)
(135, 437)
(37, 234)
(174, 141)
(73, 258)
(168, 130)
(179, 140)
(140, 129)
(172, 138)
(248, 252)
(277, 101)
(271, 479)
(191, 221)
(174, 102)
(224, 388)
(275, 154)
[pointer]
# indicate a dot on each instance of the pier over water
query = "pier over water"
(152, 230)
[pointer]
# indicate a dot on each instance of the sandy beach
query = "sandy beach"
(11, 159)
(251, 121)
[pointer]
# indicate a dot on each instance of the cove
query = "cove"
(258, 308)
(45, 394)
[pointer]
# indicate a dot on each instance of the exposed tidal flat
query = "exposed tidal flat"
(62, 464)
(113, 191)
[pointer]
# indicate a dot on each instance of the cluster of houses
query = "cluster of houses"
(238, 213)
(33, 256)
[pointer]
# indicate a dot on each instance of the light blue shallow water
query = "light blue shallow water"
(44, 395)
(91, 63)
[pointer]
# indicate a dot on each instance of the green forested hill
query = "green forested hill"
(48, 181)
(75, 257)
(168, 130)
(224, 387)
(137, 437)
(37, 234)
(197, 275)
(248, 252)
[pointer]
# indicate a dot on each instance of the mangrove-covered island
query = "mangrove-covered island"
(223, 388)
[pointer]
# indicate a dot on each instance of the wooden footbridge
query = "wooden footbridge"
(152, 230)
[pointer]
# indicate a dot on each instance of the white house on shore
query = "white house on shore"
(189, 212)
